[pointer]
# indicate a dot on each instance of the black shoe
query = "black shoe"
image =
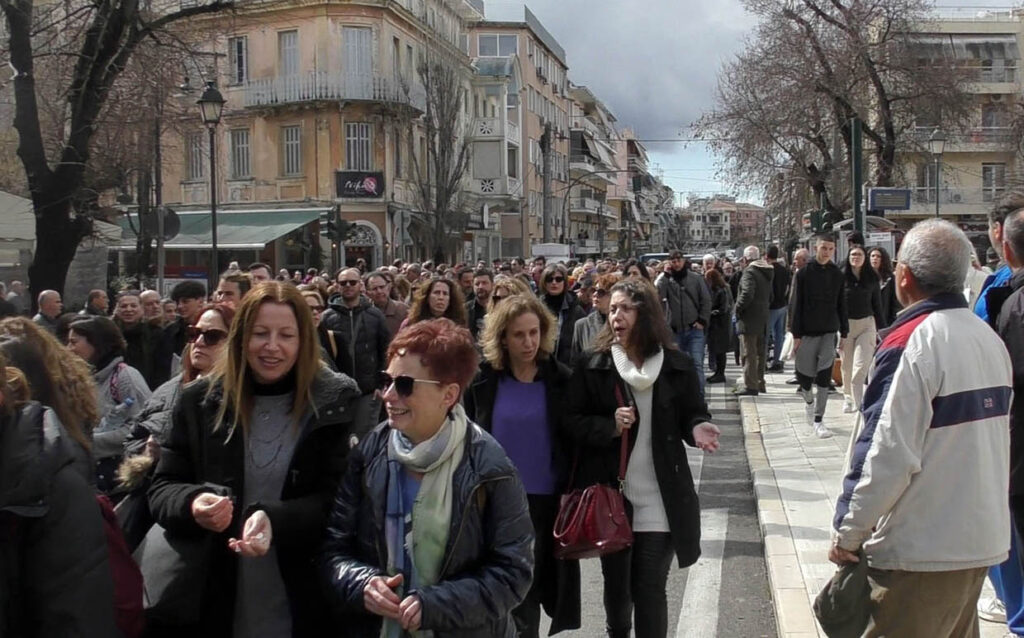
(745, 392)
(717, 378)
(778, 366)
(762, 388)
(793, 381)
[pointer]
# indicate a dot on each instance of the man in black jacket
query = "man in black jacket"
(476, 307)
(366, 333)
(819, 312)
(778, 307)
(752, 319)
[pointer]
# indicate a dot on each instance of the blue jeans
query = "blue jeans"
(691, 341)
(1008, 583)
(777, 331)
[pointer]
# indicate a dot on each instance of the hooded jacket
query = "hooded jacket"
(755, 297)
(297, 519)
(365, 330)
(55, 578)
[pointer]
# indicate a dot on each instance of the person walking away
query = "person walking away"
(779, 306)
(430, 531)
(935, 442)
(752, 315)
(365, 330)
(518, 396)
(819, 312)
(864, 307)
(637, 355)
(587, 328)
(881, 263)
(720, 327)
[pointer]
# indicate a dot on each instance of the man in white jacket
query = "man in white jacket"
(925, 495)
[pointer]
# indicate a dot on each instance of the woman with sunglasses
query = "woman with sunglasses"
(436, 299)
(636, 358)
(563, 304)
(121, 390)
(519, 397)
(252, 460)
(430, 530)
(587, 328)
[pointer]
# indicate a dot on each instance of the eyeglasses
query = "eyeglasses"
(211, 337)
(403, 384)
(557, 279)
(600, 292)
(348, 282)
(317, 308)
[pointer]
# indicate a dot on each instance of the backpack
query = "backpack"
(128, 611)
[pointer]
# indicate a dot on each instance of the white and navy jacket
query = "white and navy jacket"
(927, 485)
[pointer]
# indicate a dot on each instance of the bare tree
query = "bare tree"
(88, 46)
(786, 101)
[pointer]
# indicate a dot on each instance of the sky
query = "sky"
(654, 64)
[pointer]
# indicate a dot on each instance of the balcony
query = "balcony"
(315, 86)
(590, 206)
(580, 164)
(490, 127)
(952, 201)
(982, 139)
(497, 187)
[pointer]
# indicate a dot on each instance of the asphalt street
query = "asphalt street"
(726, 592)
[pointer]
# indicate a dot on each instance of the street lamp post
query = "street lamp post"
(211, 104)
(937, 144)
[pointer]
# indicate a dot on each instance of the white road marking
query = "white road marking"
(695, 457)
(698, 615)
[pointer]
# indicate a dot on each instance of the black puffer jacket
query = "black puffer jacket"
(677, 407)
(297, 518)
(487, 564)
(365, 333)
(50, 528)
(569, 313)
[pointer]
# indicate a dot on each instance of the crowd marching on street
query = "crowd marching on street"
(400, 451)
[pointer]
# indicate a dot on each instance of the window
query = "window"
(993, 181)
(396, 58)
(240, 158)
(513, 162)
(195, 156)
(994, 115)
(238, 59)
(291, 150)
(358, 151)
(398, 155)
(408, 62)
(508, 45)
(288, 52)
(487, 45)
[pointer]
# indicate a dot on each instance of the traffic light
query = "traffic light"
(334, 227)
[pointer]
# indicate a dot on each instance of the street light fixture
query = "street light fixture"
(936, 145)
(211, 105)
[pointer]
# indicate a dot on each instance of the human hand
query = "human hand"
(842, 340)
(380, 598)
(796, 344)
(840, 556)
(212, 512)
(411, 613)
(624, 418)
(257, 535)
(705, 435)
(153, 448)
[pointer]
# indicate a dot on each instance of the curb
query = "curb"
(794, 617)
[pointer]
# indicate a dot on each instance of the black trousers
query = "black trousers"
(1017, 518)
(543, 510)
(637, 577)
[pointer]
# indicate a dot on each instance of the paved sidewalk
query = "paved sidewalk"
(797, 479)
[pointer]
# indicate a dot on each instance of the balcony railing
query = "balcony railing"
(980, 197)
(327, 85)
(979, 135)
(590, 206)
(491, 127)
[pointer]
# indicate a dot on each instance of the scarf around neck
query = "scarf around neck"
(436, 458)
(637, 378)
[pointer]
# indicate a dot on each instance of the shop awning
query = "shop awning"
(236, 229)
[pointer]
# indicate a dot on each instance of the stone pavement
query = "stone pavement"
(797, 479)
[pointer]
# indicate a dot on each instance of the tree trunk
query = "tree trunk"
(58, 234)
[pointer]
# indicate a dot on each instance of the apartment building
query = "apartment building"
(976, 164)
(594, 170)
(543, 88)
(710, 222)
(322, 99)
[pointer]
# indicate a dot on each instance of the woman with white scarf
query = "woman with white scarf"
(635, 354)
(430, 534)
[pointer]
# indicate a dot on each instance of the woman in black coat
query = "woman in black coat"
(719, 333)
(252, 460)
(636, 354)
(563, 304)
(519, 397)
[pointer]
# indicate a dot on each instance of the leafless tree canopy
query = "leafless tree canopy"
(784, 104)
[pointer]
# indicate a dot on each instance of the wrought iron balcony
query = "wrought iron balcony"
(314, 86)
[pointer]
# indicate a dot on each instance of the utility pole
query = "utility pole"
(856, 176)
(545, 149)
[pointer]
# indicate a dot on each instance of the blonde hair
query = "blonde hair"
(498, 319)
(510, 286)
(232, 372)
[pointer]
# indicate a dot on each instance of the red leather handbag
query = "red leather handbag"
(592, 522)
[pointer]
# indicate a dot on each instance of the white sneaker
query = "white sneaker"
(848, 406)
(809, 413)
(992, 610)
(821, 431)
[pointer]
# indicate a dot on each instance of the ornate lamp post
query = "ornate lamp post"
(937, 144)
(211, 104)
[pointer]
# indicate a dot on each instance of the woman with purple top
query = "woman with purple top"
(518, 397)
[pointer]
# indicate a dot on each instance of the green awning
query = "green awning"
(236, 230)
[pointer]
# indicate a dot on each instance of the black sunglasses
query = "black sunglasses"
(211, 337)
(348, 282)
(600, 292)
(556, 279)
(404, 385)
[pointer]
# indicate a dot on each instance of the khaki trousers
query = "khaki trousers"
(924, 604)
(856, 353)
(754, 355)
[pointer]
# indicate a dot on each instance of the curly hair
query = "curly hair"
(498, 319)
(507, 286)
(444, 347)
(420, 310)
(73, 396)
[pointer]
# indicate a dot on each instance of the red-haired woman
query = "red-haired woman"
(430, 529)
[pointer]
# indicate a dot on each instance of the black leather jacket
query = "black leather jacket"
(488, 563)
